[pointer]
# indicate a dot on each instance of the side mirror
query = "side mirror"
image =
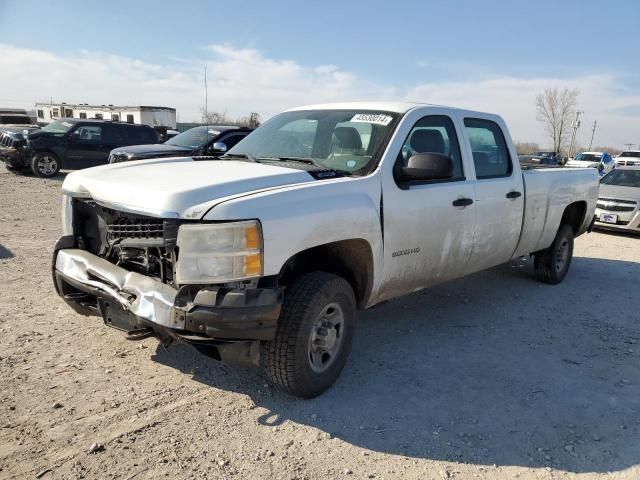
(427, 166)
(219, 147)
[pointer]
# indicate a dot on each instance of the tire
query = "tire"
(307, 356)
(551, 265)
(45, 165)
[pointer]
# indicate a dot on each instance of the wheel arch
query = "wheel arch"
(351, 259)
(574, 216)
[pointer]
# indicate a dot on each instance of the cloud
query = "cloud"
(242, 80)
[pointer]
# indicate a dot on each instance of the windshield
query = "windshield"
(623, 178)
(630, 154)
(15, 120)
(589, 157)
(194, 137)
(343, 140)
(59, 126)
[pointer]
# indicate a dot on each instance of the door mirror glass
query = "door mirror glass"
(219, 147)
(427, 166)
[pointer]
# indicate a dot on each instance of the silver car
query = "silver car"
(619, 200)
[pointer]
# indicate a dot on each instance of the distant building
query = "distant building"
(158, 117)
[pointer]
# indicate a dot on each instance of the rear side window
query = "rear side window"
(490, 154)
(125, 135)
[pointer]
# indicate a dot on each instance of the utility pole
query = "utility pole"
(206, 97)
(575, 125)
(628, 145)
(593, 132)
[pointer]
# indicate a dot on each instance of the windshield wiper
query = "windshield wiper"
(307, 160)
(246, 156)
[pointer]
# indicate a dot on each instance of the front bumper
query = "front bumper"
(131, 301)
(15, 157)
(627, 221)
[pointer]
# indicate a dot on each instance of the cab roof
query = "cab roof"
(392, 106)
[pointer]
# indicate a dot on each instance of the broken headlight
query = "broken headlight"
(219, 252)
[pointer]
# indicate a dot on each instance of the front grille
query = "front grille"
(131, 227)
(614, 205)
(7, 141)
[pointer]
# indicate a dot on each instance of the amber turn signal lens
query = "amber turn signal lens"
(253, 265)
(252, 238)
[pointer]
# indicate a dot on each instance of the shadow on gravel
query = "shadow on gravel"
(491, 369)
(5, 252)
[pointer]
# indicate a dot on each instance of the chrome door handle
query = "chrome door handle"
(462, 202)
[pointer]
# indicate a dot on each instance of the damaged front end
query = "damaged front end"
(123, 267)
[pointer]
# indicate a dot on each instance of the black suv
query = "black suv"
(75, 143)
(212, 140)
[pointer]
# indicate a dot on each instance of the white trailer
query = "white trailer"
(160, 117)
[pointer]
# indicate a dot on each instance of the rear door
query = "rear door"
(499, 194)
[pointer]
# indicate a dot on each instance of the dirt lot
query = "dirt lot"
(493, 376)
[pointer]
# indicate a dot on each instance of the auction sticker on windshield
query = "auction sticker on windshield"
(377, 118)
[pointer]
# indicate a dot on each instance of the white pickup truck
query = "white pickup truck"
(263, 256)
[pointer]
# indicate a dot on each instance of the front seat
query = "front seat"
(426, 140)
(346, 140)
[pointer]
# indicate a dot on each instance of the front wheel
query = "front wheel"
(45, 165)
(551, 265)
(314, 335)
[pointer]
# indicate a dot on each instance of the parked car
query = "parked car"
(15, 125)
(264, 255)
(212, 140)
(619, 200)
(540, 158)
(74, 143)
(600, 160)
(628, 158)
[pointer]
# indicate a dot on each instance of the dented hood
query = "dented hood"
(176, 187)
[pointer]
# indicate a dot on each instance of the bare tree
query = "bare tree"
(251, 121)
(555, 108)
(213, 118)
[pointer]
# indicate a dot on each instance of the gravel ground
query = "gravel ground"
(493, 376)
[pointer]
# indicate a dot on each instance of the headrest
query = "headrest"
(347, 137)
(426, 140)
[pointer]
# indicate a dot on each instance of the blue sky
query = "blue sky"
(331, 50)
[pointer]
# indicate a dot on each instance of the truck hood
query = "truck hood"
(582, 164)
(177, 187)
(618, 192)
(152, 150)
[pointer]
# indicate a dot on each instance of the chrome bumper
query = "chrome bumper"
(141, 295)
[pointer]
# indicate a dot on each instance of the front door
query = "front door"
(428, 226)
(86, 147)
(499, 195)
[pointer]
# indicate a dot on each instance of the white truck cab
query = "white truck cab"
(264, 255)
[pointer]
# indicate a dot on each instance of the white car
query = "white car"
(619, 200)
(628, 158)
(599, 160)
(264, 255)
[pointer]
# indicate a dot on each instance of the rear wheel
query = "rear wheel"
(314, 336)
(45, 165)
(551, 265)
